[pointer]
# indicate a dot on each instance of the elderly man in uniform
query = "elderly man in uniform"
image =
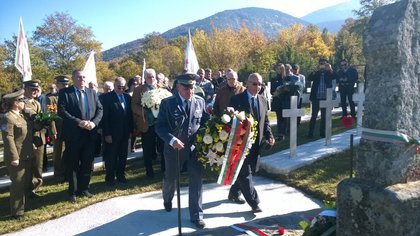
(31, 110)
(179, 119)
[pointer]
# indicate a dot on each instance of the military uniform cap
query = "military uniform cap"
(14, 95)
(62, 79)
(187, 79)
(31, 84)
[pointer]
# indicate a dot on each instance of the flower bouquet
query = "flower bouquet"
(151, 99)
(224, 142)
(322, 224)
(45, 118)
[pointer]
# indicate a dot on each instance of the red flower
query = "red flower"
(226, 128)
(347, 121)
(281, 230)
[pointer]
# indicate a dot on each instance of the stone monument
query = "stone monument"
(384, 197)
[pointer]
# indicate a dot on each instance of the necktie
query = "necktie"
(122, 100)
(254, 108)
(82, 103)
(187, 108)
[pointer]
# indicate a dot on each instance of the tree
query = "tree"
(62, 40)
(349, 44)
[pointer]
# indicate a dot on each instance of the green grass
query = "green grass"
(318, 179)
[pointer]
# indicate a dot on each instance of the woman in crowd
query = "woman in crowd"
(17, 149)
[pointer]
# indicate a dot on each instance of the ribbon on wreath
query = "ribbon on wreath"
(390, 137)
(248, 230)
(235, 152)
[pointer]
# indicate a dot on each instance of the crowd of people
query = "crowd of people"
(91, 123)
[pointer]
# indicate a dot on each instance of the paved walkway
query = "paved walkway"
(143, 214)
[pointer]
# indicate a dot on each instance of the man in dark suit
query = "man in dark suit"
(251, 103)
(322, 79)
(116, 128)
(81, 111)
(180, 117)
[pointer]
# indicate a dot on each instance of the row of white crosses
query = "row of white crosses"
(328, 104)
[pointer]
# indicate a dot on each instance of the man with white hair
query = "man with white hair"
(224, 94)
(145, 121)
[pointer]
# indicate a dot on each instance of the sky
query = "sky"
(117, 22)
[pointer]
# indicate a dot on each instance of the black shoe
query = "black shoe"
(33, 195)
(199, 223)
(17, 217)
(256, 209)
(86, 193)
(168, 206)
(237, 200)
(72, 199)
(122, 180)
(110, 183)
(322, 135)
(310, 136)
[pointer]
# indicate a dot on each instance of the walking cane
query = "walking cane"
(178, 180)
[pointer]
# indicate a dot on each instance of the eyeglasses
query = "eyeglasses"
(343, 64)
(121, 87)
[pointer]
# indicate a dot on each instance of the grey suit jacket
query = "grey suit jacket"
(172, 122)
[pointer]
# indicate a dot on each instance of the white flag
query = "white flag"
(90, 69)
(144, 68)
(22, 60)
(191, 62)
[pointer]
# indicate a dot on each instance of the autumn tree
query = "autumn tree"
(62, 40)
(349, 44)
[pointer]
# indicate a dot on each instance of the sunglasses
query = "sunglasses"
(121, 87)
(21, 99)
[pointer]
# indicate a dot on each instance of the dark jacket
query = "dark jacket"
(69, 111)
(116, 121)
(315, 78)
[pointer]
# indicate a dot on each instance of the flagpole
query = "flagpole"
(144, 68)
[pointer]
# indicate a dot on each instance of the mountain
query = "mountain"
(268, 21)
(335, 14)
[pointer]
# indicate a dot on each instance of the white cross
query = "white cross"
(359, 98)
(328, 104)
(293, 113)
